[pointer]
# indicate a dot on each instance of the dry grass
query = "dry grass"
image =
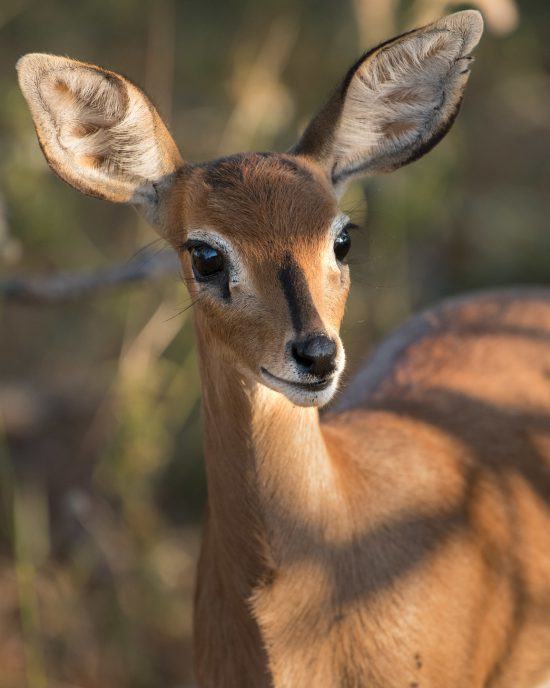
(100, 480)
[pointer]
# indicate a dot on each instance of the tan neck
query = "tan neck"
(274, 492)
(268, 467)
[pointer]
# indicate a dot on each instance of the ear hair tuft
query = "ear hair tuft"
(98, 131)
(396, 102)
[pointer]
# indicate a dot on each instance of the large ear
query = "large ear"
(98, 131)
(396, 102)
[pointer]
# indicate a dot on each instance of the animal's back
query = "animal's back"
(501, 338)
(449, 430)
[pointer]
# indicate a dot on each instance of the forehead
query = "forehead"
(261, 199)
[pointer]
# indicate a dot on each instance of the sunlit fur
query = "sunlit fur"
(402, 93)
(396, 102)
(403, 540)
(98, 131)
(266, 206)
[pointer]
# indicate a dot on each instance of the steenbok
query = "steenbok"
(403, 540)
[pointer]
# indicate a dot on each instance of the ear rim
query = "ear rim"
(317, 140)
(31, 69)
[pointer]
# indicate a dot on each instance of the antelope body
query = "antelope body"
(403, 540)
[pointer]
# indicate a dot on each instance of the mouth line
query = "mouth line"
(305, 386)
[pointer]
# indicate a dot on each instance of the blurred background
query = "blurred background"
(101, 478)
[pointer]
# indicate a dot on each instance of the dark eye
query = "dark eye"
(206, 260)
(342, 245)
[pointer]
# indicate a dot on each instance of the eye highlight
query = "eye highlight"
(207, 261)
(342, 243)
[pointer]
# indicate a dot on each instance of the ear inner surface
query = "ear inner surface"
(98, 131)
(396, 102)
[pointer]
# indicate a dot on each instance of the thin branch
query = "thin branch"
(71, 286)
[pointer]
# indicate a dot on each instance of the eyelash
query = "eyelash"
(350, 227)
(192, 243)
(189, 244)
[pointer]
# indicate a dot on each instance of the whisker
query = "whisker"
(146, 248)
(182, 311)
(358, 208)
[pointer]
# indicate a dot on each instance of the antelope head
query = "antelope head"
(262, 243)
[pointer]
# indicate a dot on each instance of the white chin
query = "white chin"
(303, 397)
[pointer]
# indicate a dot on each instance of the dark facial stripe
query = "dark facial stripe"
(303, 313)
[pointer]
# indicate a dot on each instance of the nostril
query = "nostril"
(300, 356)
(315, 354)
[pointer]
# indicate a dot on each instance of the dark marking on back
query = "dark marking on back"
(300, 304)
(418, 660)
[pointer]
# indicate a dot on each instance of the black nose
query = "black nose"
(315, 354)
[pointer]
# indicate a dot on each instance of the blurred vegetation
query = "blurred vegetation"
(101, 481)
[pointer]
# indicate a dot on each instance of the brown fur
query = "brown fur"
(415, 548)
(403, 540)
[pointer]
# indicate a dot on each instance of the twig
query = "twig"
(71, 286)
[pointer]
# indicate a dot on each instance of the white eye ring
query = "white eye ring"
(338, 224)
